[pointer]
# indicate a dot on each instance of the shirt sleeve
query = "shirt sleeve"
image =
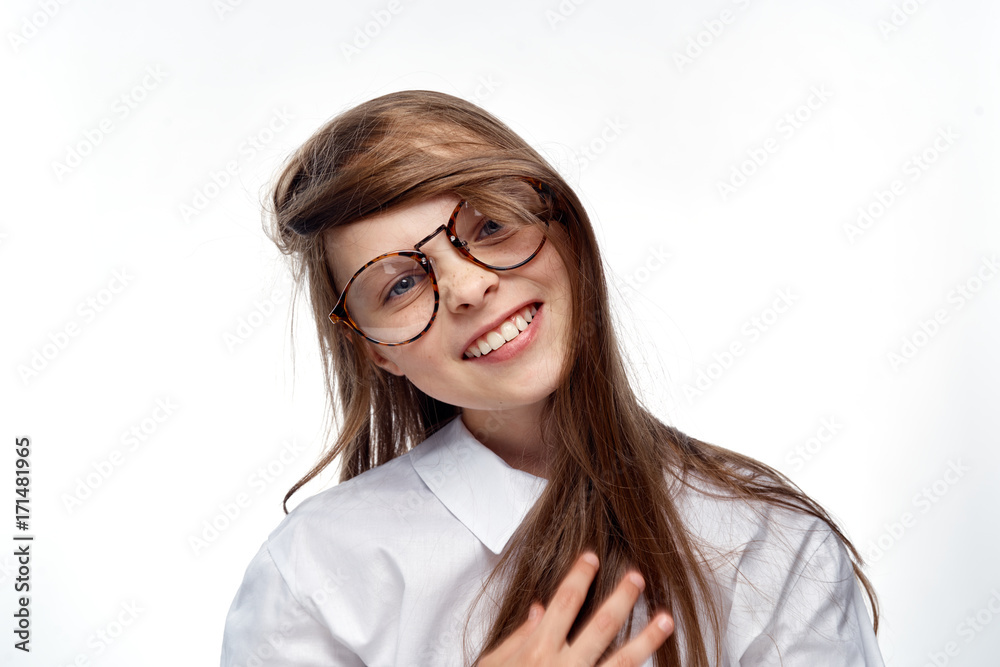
(268, 626)
(818, 617)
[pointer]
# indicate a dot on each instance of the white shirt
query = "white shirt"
(381, 570)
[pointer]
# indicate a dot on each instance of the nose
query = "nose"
(462, 284)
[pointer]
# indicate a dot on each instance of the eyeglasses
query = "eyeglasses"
(393, 299)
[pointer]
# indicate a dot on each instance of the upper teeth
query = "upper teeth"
(508, 330)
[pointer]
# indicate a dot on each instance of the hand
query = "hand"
(541, 640)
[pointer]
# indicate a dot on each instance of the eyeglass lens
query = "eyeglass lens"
(392, 300)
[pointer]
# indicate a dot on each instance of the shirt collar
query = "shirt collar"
(478, 487)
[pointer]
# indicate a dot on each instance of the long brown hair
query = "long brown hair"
(610, 471)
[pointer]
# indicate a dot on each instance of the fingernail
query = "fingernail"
(533, 613)
(591, 558)
(663, 622)
(636, 579)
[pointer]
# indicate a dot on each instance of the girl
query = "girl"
(505, 499)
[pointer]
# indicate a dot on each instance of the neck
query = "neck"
(512, 434)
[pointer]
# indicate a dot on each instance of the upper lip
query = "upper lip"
(490, 327)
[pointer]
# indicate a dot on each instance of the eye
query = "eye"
(403, 285)
(489, 228)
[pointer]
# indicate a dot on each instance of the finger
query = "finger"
(605, 623)
(567, 601)
(535, 613)
(640, 648)
(513, 643)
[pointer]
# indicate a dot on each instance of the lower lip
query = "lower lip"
(514, 346)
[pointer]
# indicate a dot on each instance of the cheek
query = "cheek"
(557, 282)
(430, 377)
(416, 361)
(553, 268)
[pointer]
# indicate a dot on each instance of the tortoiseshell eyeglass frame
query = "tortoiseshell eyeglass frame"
(340, 313)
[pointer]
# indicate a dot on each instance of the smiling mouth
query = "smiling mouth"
(507, 331)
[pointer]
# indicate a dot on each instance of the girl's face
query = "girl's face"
(474, 302)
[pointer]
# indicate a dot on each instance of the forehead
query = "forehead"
(349, 247)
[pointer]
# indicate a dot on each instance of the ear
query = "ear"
(376, 357)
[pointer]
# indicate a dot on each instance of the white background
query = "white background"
(645, 136)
